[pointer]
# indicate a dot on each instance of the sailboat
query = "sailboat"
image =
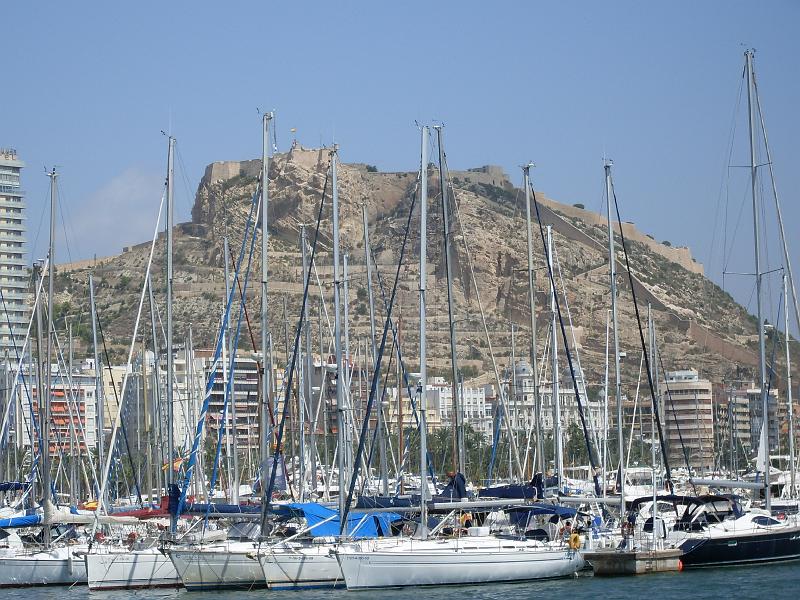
(427, 559)
(119, 567)
(715, 531)
(48, 565)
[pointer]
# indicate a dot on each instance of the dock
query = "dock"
(608, 563)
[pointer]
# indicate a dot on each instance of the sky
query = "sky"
(91, 86)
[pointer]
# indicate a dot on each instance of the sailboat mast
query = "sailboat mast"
(423, 367)
(757, 246)
(265, 428)
(170, 356)
(792, 469)
(559, 446)
(537, 406)
(309, 369)
(347, 362)
(305, 375)
(341, 376)
(44, 442)
(612, 274)
(46, 389)
(98, 378)
(458, 460)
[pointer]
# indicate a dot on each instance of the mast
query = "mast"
(149, 420)
(265, 427)
(458, 459)
(98, 378)
(379, 424)
(605, 404)
(653, 454)
(347, 373)
(612, 274)
(43, 400)
(513, 406)
(170, 356)
(45, 396)
(423, 367)
(757, 247)
(341, 376)
(308, 402)
(156, 380)
(227, 376)
(233, 431)
(323, 380)
(537, 407)
(792, 468)
(559, 445)
(72, 435)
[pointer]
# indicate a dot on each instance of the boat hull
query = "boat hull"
(202, 569)
(130, 570)
(42, 569)
(298, 568)
(423, 567)
(760, 547)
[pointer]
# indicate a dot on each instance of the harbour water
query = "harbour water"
(775, 581)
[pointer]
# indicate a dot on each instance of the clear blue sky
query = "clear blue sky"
(89, 86)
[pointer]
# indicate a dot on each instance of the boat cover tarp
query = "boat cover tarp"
(195, 508)
(519, 515)
(527, 492)
(387, 501)
(26, 521)
(374, 524)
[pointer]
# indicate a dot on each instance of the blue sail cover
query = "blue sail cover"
(26, 521)
(373, 525)
(519, 515)
(13, 486)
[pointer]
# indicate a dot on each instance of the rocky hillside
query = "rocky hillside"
(699, 325)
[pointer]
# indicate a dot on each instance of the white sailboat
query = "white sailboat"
(121, 567)
(479, 557)
(297, 565)
(57, 566)
(223, 565)
(467, 560)
(109, 568)
(49, 565)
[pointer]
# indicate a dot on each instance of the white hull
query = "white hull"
(454, 562)
(218, 567)
(58, 567)
(301, 566)
(130, 570)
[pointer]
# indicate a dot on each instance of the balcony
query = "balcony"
(21, 283)
(17, 261)
(6, 203)
(11, 190)
(10, 237)
(12, 227)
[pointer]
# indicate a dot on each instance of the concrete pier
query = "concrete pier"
(608, 563)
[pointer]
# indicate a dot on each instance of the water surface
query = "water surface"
(762, 582)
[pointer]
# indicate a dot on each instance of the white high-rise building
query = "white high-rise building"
(13, 266)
